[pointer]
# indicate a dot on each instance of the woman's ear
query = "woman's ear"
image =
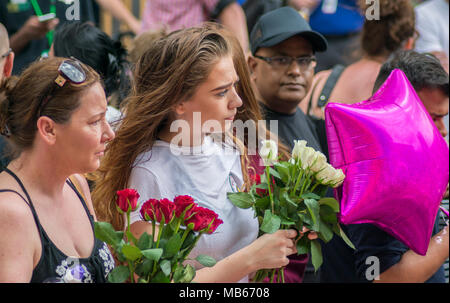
(180, 108)
(46, 128)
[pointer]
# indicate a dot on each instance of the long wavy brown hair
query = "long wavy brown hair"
(169, 71)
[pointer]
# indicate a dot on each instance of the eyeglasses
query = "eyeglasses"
(7, 53)
(68, 70)
(305, 63)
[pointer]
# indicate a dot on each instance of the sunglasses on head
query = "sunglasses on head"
(69, 70)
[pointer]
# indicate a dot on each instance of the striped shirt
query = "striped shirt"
(176, 14)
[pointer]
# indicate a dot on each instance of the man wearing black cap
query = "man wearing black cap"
(282, 68)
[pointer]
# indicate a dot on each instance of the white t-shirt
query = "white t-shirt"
(432, 24)
(206, 173)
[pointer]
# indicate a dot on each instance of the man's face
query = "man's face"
(436, 103)
(282, 86)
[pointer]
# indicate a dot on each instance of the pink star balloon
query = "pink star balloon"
(395, 160)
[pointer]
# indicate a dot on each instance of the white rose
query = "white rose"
(326, 175)
(299, 146)
(269, 152)
(320, 162)
(307, 157)
(339, 177)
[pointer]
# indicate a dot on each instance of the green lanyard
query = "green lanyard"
(38, 11)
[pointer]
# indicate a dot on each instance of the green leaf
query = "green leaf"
(178, 274)
(262, 203)
(173, 246)
(271, 223)
(166, 267)
(119, 274)
(326, 233)
(188, 274)
(316, 254)
(327, 214)
(160, 278)
(190, 239)
(241, 199)
(283, 169)
(105, 232)
(144, 241)
(338, 230)
(313, 208)
(131, 252)
(303, 246)
(153, 254)
(144, 268)
(206, 261)
(331, 202)
(274, 173)
(310, 196)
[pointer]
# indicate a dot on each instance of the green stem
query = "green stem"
(185, 234)
(178, 225)
(315, 186)
(269, 181)
(130, 266)
(282, 275)
(272, 275)
(298, 180)
(153, 232)
(303, 186)
(161, 226)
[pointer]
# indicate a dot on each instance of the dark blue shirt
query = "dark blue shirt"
(342, 264)
(346, 20)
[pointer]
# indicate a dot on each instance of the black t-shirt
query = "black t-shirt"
(14, 14)
(342, 264)
(292, 127)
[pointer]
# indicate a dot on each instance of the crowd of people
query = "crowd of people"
(83, 116)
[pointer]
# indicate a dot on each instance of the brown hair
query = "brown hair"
(250, 110)
(387, 35)
(170, 70)
(21, 97)
(142, 42)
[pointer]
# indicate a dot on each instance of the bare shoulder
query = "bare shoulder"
(13, 209)
(20, 241)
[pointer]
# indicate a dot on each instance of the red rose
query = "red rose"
(150, 210)
(214, 225)
(156, 209)
(167, 209)
(127, 198)
(256, 179)
(183, 203)
(202, 218)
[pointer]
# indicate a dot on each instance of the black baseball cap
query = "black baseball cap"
(281, 24)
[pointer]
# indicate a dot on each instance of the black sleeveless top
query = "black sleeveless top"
(54, 265)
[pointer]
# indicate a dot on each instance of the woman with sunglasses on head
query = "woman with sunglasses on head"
(191, 71)
(89, 44)
(53, 117)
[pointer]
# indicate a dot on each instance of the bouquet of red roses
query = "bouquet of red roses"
(158, 258)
